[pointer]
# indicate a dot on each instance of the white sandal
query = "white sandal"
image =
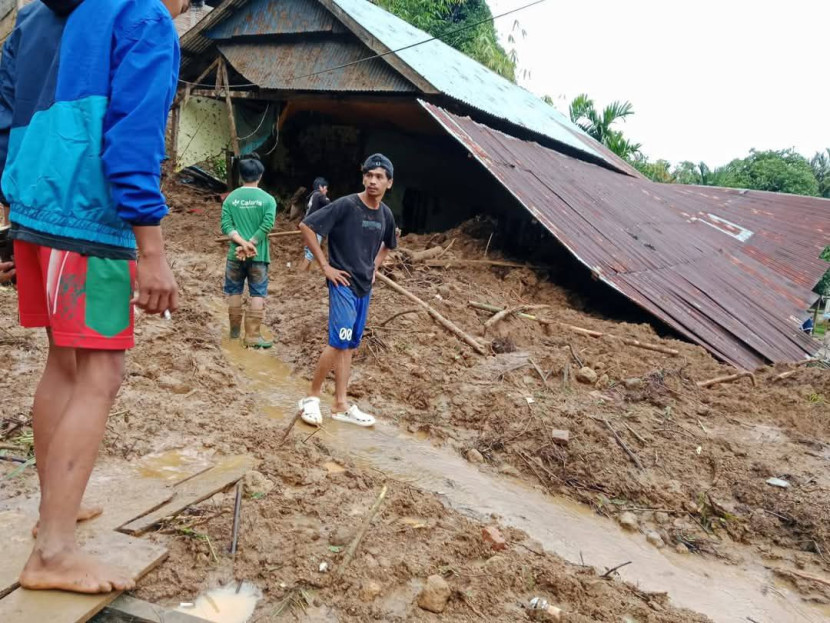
(354, 416)
(310, 411)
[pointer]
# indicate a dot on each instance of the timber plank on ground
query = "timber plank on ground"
(138, 556)
(194, 490)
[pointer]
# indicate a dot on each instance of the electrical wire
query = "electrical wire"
(375, 56)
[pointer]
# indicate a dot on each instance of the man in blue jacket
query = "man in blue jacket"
(85, 89)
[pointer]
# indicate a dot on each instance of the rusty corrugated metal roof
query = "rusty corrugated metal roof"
(278, 65)
(731, 270)
(266, 17)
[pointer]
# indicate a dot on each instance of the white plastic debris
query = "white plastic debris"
(778, 482)
(324, 567)
(538, 603)
(530, 400)
(186, 604)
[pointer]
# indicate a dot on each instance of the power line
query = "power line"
(373, 57)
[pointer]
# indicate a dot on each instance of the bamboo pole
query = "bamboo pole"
(350, 551)
(444, 322)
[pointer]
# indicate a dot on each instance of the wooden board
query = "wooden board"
(193, 491)
(16, 530)
(136, 555)
(128, 609)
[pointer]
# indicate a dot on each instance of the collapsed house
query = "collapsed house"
(315, 85)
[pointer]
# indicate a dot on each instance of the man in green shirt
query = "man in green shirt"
(247, 216)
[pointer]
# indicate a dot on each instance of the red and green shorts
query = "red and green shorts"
(85, 301)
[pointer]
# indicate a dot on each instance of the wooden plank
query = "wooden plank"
(16, 528)
(195, 490)
(131, 610)
(137, 556)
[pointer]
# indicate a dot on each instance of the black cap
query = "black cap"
(379, 161)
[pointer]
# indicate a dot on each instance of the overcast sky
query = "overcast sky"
(708, 79)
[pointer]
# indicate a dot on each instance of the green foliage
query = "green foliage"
(783, 171)
(597, 124)
(440, 17)
(821, 169)
(823, 286)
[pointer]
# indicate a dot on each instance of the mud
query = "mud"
(183, 395)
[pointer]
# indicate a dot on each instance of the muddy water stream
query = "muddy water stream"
(744, 592)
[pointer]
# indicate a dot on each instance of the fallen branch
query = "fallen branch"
(350, 552)
(451, 263)
(612, 570)
(289, 427)
(783, 375)
(444, 322)
(803, 576)
(499, 316)
(582, 331)
(727, 379)
(575, 356)
(540, 373)
(622, 445)
(393, 316)
(276, 234)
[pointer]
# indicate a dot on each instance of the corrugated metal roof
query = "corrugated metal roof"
(277, 66)
(266, 17)
(731, 270)
(463, 79)
(186, 21)
(195, 44)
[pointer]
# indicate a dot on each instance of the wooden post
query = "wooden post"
(229, 102)
(173, 148)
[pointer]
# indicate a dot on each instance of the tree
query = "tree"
(821, 170)
(443, 18)
(783, 171)
(823, 286)
(598, 124)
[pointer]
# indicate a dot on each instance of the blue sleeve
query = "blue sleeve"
(144, 75)
(7, 81)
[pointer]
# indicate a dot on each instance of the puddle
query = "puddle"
(234, 603)
(724, 593)
(171, 466)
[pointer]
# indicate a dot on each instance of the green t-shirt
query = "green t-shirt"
(250, 212)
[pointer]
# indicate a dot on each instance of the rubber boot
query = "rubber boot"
(235, 316)
(253, 337)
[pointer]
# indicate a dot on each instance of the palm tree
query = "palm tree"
(597, 124)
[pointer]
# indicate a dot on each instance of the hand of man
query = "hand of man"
(156, 290)
(6, 271)
(241, 254)
(250, 249)
(337, 277)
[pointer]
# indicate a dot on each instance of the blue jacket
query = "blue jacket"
(85, 90)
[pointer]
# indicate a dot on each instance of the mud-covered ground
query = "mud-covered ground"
(705, 454)
(300, 508)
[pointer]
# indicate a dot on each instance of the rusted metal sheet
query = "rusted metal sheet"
(732, 270)
(288, 66)
(267, 17)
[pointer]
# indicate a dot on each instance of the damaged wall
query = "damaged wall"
(203, 132)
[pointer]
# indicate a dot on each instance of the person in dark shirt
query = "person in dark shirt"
(319, 199)
(361, 232)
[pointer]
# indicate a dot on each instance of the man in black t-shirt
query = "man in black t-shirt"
(361, 232)
(319, 199)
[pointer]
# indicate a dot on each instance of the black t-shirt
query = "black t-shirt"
(355, 233)
(318, 200)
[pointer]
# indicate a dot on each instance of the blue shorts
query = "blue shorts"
(256, 273)
(347, 317)
(308, 254)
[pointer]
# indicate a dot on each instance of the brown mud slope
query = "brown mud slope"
(301, 508)
(704, 455)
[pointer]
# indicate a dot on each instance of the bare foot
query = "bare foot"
(73, 571)
(85, 513)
